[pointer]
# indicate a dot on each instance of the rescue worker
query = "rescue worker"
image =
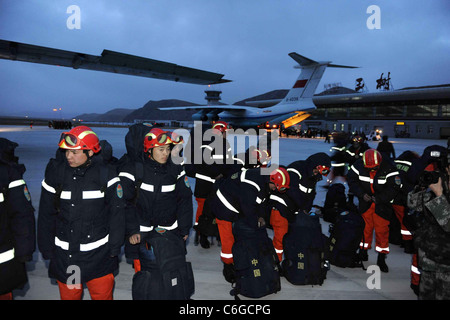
(353, 153)
(17, 223)
(244, 196)
(215, 163)
(299, 198)
(403, 164)
(81, 222)
(356, 150)
(338, 156)
(375, 182)
(161, 201)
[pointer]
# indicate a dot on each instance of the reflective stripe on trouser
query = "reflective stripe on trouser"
(200, 204)
(381, 227)
(400, 213)
(99, 289)
(415, 272)
(280, 228)
(226, 239)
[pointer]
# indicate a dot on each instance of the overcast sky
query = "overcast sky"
(246, 40)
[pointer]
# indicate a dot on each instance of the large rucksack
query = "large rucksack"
(345, 238)
(167, 276)
(255, 262)
(334, 200)
(304, 250)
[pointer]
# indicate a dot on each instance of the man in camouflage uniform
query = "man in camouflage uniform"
(432, 237)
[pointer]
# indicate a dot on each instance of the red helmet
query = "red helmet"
(323, 170)
(256, 154)
(156, 138)
(280, 177)
(80, 138)
(357, 139)
(372, 158)
(176, 138)
(265, 157)
(222, 126)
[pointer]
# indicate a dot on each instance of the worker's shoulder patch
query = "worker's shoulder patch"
(119, 190)
(26, 193)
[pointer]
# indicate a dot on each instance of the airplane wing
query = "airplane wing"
(108, 61)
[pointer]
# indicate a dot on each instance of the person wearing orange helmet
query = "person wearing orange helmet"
(376, 183)
(300, 197)
(208, 163)
(81, 222)
(162, 180)
(159, 199)
(244, 197)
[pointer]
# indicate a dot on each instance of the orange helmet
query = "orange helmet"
(176, 138)
(323, 170)
(156, 138)
(222, 126)
(280, 177)
(80, 138)
(372, 158)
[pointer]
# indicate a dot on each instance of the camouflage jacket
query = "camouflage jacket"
(432, 236)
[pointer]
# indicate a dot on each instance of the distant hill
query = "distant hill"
(150, 111)
(114, 115)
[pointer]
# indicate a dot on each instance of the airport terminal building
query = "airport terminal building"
(422, 112)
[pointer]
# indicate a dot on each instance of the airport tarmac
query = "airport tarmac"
(38, 144)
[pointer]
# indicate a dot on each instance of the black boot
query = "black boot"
(196, 235)
(408, 246)
(363, 255)
(229, 272)
(381, 262)
(204, 242)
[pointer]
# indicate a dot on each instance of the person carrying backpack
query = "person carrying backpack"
(297, 232)
(159, 218)
(240, 206)
(211, 161)
(17, 223)
(81, 222)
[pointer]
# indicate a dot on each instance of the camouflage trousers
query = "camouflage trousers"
(434, 285)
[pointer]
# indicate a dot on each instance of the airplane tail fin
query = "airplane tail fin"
(310, 76)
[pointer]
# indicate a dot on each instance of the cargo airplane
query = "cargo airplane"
(289, 111)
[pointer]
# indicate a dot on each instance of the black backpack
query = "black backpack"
(304, 248)
(255, 262)
(345, 238)
(334, 200)
(169, 276)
